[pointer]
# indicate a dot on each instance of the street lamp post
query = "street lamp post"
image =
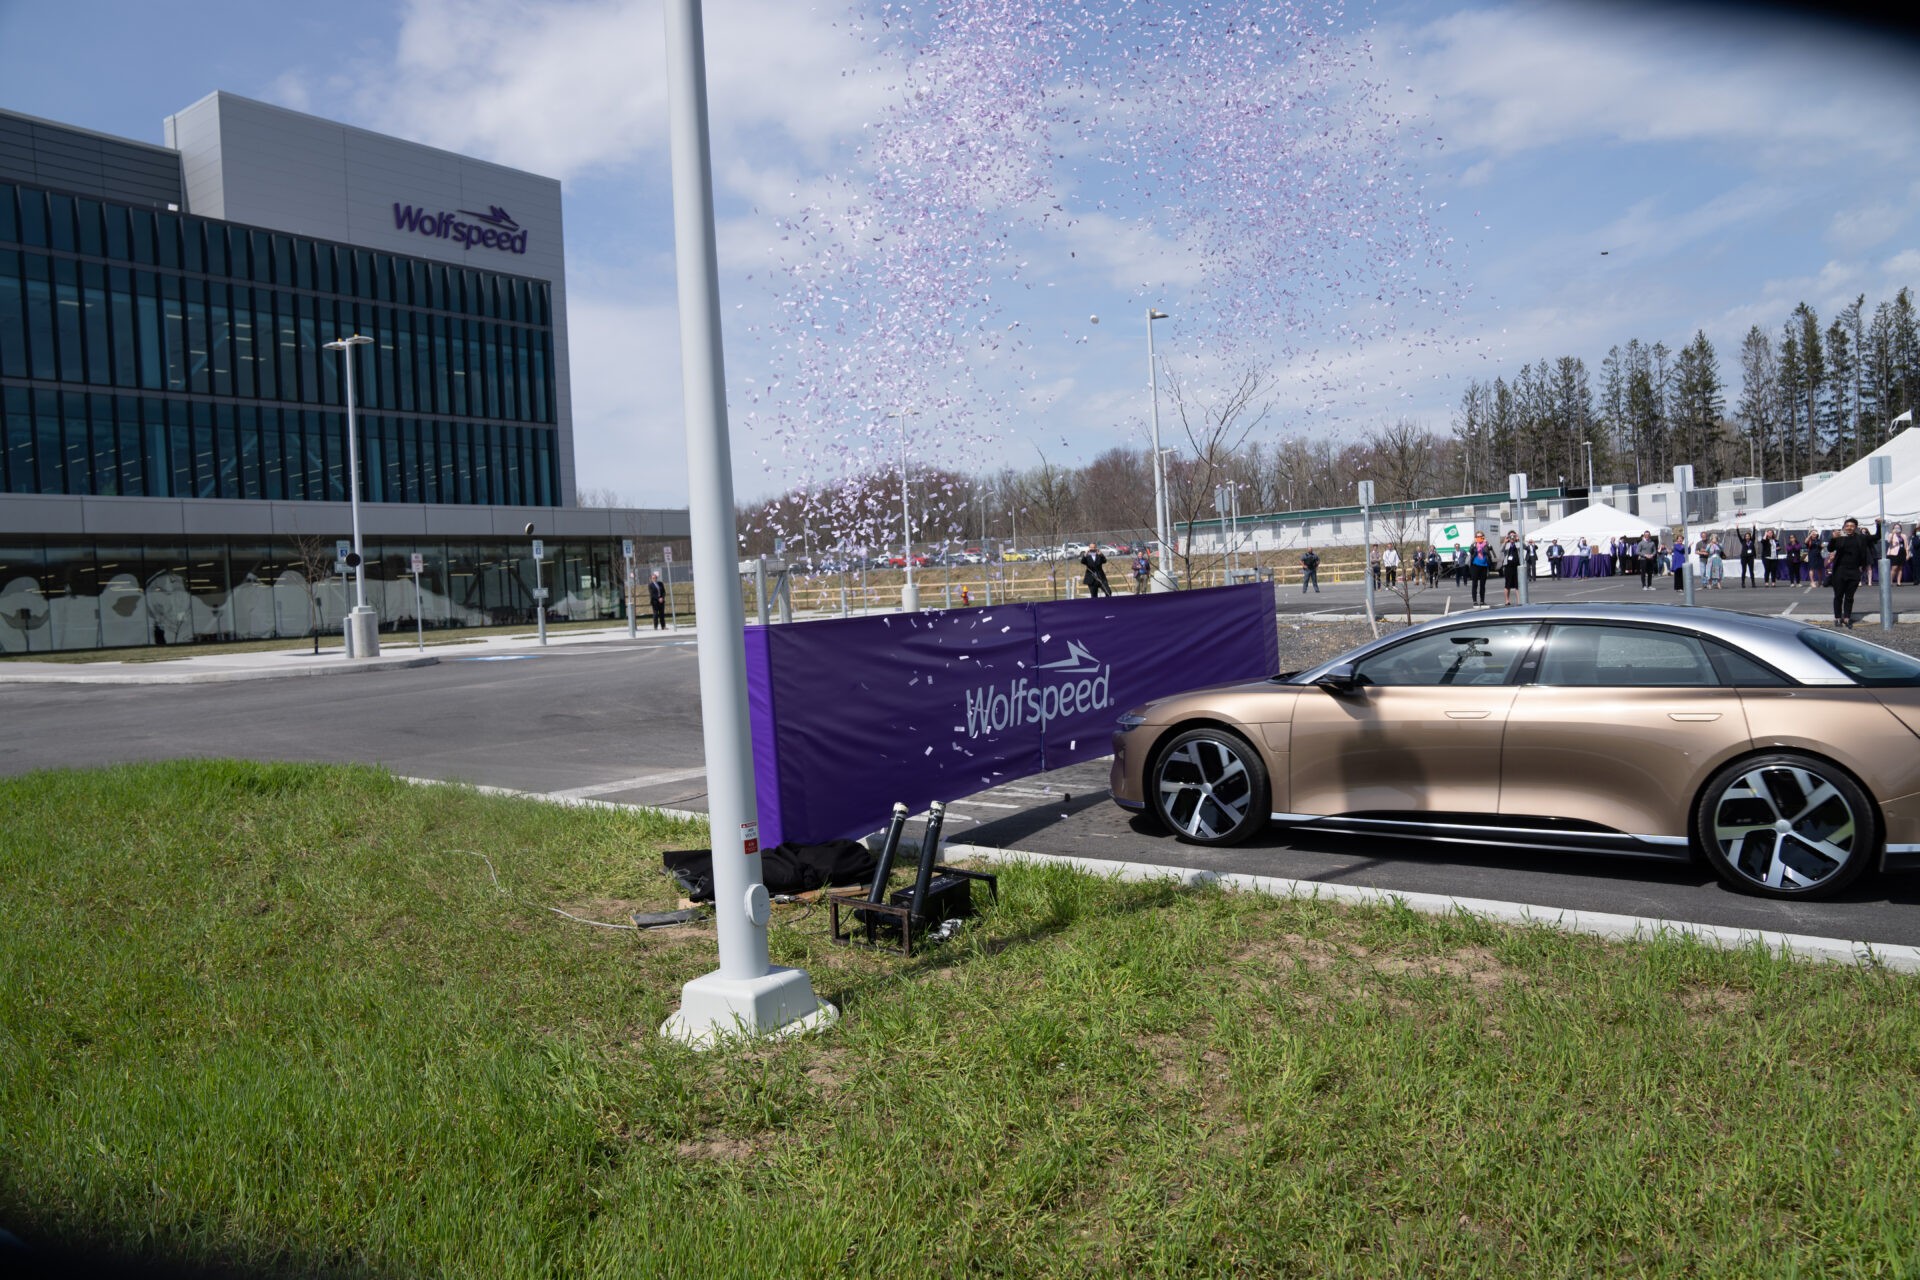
(362, 630)
(909, 594)
(1588, 445)
(1162, 580)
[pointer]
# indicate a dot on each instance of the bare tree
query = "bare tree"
(600, 498)
(1404, 462)
(1046, 499)
(1216, 429)
(314, 554)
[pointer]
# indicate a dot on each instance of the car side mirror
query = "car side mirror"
(1339, 680)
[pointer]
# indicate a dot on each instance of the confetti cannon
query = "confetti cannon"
(938, 893)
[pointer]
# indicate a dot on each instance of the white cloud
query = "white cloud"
(628, 428)
(1865, 226)
(1522, 78)
(571, 88)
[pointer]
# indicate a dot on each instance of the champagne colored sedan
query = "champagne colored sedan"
(1785, 754)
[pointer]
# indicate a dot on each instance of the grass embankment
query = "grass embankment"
(280, 1016)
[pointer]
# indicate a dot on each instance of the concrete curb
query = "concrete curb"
(566, 802)
(1896, 957)
(342, 668)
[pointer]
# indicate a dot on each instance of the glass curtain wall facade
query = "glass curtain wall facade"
(145, 353)
(65, 593)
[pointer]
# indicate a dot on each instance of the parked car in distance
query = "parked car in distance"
(1784, 754)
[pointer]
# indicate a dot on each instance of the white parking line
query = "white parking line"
(627, 784)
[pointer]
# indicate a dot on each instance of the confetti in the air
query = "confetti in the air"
(1276, 211)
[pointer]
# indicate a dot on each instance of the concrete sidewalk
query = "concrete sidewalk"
(397, 652)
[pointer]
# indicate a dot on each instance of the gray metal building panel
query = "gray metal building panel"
(34, 515)
(87, 163)
(256, 163)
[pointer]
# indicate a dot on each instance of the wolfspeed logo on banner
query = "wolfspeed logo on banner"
(1039, 702)
(852, 714)
(494, 229)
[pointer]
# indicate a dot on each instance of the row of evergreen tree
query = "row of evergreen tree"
(1811, 398)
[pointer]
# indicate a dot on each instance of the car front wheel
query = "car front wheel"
(1209, 786)
(1786, 826)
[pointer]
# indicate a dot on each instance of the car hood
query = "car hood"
(1233, 698)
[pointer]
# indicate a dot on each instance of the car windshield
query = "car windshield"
(1863, 662)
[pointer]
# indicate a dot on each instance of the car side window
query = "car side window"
(1481, 654)
(1584, 655)
(1743, 672)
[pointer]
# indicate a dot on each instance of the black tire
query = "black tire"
(1786, 826)
(1209, 786)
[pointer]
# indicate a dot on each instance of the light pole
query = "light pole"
(362, 632)
(539, 586)
(633, 582)
(1683, 485)
(1162, 580)
(909, 594)
(745, 995)
(1588, 445)
(1366, 552)
(1517, 491)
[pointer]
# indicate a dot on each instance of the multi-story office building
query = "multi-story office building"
(173, 430)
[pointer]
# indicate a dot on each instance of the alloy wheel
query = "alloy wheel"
(1206, 790)
(1785, 828)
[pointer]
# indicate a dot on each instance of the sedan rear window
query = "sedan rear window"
(1864, 663)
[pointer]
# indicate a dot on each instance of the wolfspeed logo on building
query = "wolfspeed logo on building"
(1044, 698)
(494, 229)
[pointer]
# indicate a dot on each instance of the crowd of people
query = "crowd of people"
(1844, 559)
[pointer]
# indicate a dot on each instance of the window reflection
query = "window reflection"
(465, 355)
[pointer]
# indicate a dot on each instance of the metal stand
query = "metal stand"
(939, 893)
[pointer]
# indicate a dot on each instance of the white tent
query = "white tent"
(1596, 522)
(1831, 501)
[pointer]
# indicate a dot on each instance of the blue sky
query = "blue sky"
(1730, 166)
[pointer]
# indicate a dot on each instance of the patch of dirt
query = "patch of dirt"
(719, 1150)
(1474, 965)
(1316, 954)
(1714, 1002)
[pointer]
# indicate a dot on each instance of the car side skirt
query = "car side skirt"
(1445, 830)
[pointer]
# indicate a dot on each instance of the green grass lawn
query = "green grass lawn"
(280, 1017)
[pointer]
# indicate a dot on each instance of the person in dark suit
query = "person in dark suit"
(1848, 557)
(657, 597)
(1095, 564)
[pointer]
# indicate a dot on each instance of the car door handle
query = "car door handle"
(1467, 715)
(1693, 715)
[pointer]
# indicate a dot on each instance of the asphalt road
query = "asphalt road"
(619, 721)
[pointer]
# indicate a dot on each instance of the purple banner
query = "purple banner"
(850, 715)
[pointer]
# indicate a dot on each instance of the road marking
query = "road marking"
(627, 784)
(989, 804)
(1788, 611)
(1887, 955)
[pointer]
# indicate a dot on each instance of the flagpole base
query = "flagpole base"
(715, 1010)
